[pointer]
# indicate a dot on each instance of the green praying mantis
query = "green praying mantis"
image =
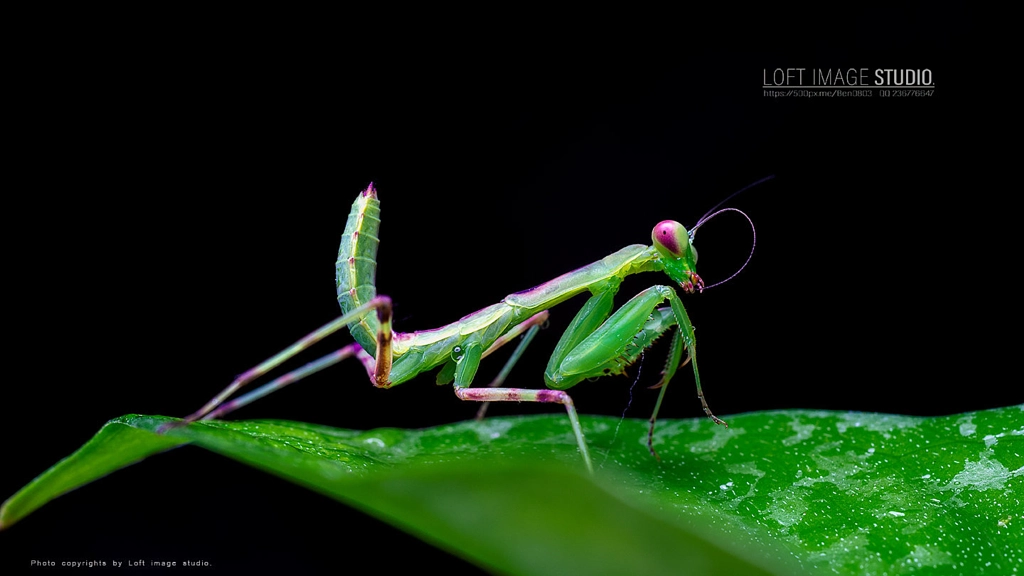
(598, 342)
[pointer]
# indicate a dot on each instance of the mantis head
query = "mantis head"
(677, 254)
(679, 257)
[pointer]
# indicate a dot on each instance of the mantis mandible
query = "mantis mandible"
(597, 342)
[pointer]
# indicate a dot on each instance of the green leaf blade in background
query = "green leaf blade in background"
(828, 492)
(119, 443)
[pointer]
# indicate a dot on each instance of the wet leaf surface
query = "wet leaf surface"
(776, 492)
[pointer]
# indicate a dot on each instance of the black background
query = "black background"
(183, 193)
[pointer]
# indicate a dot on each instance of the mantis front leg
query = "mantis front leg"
(594, 346)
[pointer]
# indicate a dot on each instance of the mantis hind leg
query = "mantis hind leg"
(294, 376)
(530, 327)
(381, 364)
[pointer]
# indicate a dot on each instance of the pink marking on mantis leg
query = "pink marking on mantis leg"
(489, 394)
(282, 381)
(383, 368)
(513, 395)
(527, 330)
(525, 395)
(368, 362)
(552, 396)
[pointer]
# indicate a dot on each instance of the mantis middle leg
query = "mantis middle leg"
(466, 369)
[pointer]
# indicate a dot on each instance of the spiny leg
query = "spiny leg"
(466, 369)
(662, 382)
(607, 349)
(382, 304)
(531, 326)
(683, 338)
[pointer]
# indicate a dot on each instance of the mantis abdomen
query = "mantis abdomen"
(357, 265)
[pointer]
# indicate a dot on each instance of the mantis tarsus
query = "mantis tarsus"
(597, 342)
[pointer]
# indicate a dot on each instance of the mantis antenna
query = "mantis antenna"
(712, 213)
(752, 244)
(708, 215)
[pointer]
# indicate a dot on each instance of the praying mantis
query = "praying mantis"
(598, 341)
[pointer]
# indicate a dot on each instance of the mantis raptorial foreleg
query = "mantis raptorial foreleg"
(594, 346)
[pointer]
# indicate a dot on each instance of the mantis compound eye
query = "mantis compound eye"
(670, 238)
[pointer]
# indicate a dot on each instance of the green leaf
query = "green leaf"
(776, 492)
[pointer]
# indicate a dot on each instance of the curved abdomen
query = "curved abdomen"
(356, 267)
